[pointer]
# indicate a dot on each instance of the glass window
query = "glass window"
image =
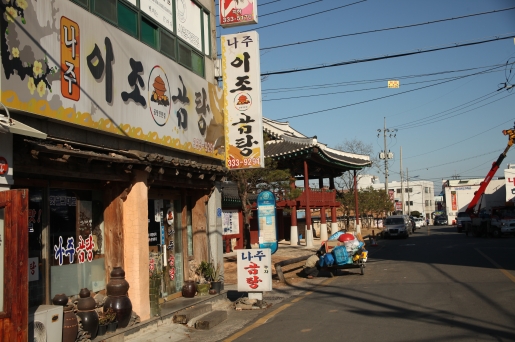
(128, 20)
(398, 191)
(2, 243)
(197, 63)
(76, 241)
(148, 33)
(167, 45)
(105, 8)
(185, 55)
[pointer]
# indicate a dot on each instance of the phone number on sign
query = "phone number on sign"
(232, 163)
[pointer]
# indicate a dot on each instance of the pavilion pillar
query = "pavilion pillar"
(294, 231)
(334, 221)
(331, 182)
(321, 182)
(309, 232)
(323, 225)
(356, 211)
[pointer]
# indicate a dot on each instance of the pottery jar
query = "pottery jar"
(86, 311)
(189, 289)
(70, 325)
(117, 299)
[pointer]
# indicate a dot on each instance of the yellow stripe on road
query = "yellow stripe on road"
(265, 318)
(506, 273)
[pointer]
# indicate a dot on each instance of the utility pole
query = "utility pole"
(402, 185)
(386, 154)
(409, 205)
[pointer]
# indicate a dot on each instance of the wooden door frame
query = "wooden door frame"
(14, 317)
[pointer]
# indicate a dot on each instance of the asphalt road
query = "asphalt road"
(437, 285)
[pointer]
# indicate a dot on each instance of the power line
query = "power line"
(364, 101)
(404, 54)
(290, 8)
(357, 82)
(386, 29)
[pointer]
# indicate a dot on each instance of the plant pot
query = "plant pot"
(217, 286)
(203, 289)
(189, 289)
(111, 327)
(102, 329)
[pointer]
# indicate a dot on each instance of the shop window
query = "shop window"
(148, 33)
(128, 20)
(197, 64)
(106, 9)
(76, 241)
(185, 55)
(167, 45)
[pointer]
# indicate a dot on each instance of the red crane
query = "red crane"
(495, 166)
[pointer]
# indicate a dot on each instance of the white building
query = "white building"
(418, 195)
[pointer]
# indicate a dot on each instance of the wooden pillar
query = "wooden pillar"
(331, 182)
(113, 228)
(135, 245)
(309, 233)
(334, 222)
(356, 209)
(320, 182)
(294, 231)
(323, 225)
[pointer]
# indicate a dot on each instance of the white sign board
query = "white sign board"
(242, 105)
(254, 270)
(237, 12)
(189, 22)
(509, 176)
(230, 222)
(159, 10)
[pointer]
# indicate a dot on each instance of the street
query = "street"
(437, 285)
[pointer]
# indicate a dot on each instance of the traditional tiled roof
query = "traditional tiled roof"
(291, 142)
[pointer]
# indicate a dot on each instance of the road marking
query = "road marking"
(265, 318)
(506, 273)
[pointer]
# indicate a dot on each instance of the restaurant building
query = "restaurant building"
(123, 146)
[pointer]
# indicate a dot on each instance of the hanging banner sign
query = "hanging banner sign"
(266, 221)
(242, 105)
(63, 63)
(238, 12)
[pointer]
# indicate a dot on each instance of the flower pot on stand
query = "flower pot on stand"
(111, 327)
(203, 289)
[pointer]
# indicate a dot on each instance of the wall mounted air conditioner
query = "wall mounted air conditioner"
(46, 323)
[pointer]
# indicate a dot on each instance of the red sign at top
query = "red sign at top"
(238, 12)
(4, 167)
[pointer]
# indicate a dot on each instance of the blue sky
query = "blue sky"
(452, 126)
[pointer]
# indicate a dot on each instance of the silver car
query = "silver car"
(397, 226)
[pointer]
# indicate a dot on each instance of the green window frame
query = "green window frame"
(149, 33)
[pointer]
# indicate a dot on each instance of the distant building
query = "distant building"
(418, 195)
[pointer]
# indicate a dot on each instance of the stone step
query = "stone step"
(211, 319)
(184, 316)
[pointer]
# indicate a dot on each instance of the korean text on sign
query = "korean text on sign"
(254, 270)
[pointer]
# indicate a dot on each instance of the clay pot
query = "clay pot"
(189, 289)
(60, 299)
(70, 325)
(117, 299)
(86, 311)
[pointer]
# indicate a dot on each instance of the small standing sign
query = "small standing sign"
(254, 270)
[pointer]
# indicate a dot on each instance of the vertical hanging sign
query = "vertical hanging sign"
(266, 221)
(242, 101)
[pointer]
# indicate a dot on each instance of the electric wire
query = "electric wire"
(289, 8)
(396, 55)
(387, 29)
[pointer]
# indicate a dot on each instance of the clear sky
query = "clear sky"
(447, 110)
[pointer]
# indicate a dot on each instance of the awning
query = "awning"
(8, 125)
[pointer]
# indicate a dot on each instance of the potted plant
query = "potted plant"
(216, 277)
(102, 324)
(204, 271)
(112, 324)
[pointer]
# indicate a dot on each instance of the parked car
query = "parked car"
(461, 219)
(397, 226)
(419, 222)
(440, 221)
